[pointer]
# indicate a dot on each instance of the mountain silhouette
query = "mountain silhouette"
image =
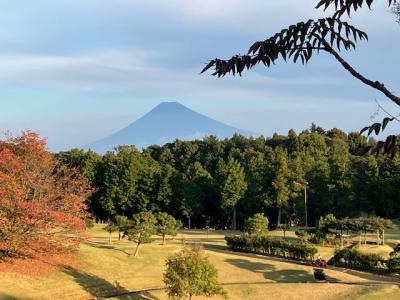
(165, 123)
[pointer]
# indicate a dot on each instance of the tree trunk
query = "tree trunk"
(383, 237)
(279, 216)
(341, 239)
(365, 237)
(164, 240)
(234, 219)
(137, 250)
(119, 235)
(189, 222)
(378, 240)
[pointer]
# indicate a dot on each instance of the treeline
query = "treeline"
(214, 182)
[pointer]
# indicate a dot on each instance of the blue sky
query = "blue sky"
(77, 71)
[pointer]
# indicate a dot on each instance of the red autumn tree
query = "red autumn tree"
(42, 202)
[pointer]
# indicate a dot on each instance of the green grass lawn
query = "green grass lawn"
(105, 269)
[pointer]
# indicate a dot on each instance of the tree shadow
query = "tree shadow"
(107, 246)
(145, 295)
(8, 297)
(269, 271)
(94, 285)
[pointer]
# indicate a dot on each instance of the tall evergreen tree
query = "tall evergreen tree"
(234, 187)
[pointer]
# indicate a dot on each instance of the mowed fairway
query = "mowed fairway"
(104, 270)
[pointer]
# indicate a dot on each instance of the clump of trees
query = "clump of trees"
(42, 202)
(216, 183)
(190, 273)
(142, 226)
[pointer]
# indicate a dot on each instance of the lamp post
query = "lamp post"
(305, 200)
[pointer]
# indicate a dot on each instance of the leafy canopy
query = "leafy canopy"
(190, 273)
(42, 202)
(298, 42)
(167, 224)
(141, 227)
(258, 224)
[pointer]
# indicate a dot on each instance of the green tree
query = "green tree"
(234, 187)
(141, 228)
(122, 223)
(167, 225)
(258, 224)
(190, 273)
(110, 228)
(120, 172)
(281, 182)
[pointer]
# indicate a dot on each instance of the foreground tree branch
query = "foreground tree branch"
(300, 42)
(374, 84)
(346, 6)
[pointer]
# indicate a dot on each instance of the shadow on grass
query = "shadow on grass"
(138, 296)
(214, 247)
(94, 285)
(8, 297)
(107, 246)
(269, 271)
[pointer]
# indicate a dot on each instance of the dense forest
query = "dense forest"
(220, 183)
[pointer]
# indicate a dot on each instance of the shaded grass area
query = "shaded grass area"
(107, 270)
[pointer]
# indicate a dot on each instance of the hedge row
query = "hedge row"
(351, 258)
(354, 259)
(271, 246)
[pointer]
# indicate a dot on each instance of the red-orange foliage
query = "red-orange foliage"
(42, 203)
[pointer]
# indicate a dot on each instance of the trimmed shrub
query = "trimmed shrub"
(265, 245)
(302, 234)
(394, 265)
(258, 224)
(351, 258)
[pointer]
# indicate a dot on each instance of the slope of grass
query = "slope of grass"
(383, 251)
(105, 270)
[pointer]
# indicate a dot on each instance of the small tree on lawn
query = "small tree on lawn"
(122, 223)
(110, 228)
(141, 228)
(167, 225)
(189, 273)
(258, 224)
(285, 228)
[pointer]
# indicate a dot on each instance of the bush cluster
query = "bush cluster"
(265, 245)
(393, 265)
(354, 259)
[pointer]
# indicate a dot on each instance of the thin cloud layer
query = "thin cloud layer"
(139, 53)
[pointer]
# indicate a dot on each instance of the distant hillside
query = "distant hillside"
(165, 123)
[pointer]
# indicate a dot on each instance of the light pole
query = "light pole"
(305, 201)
